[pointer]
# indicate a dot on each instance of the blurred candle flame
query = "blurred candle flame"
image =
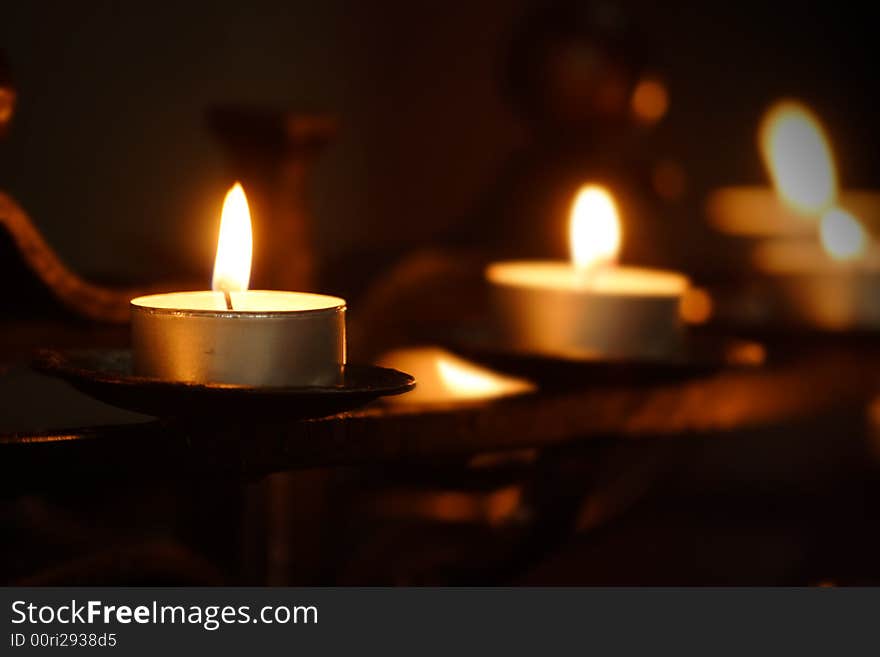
(842, 235)
(232, 265)
(798, 157)
(594, 228)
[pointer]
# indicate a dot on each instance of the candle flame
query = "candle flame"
(842, 235)
(798, 156)
(232, 265)
(594, 228)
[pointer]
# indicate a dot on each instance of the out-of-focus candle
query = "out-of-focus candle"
(832, 284)
(266, 338)
(590, 306)
(818, 262)
(800, 162)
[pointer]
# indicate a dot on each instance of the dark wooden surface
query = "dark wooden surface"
(810, 378)
(756, 476)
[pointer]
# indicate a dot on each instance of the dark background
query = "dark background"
(110, 154)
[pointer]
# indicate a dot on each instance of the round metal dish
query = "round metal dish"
(106, 375)
(699, 355)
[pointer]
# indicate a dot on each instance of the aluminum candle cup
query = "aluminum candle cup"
(553, 308)
(269, 339)
(803, 283)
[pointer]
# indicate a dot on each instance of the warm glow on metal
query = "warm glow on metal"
(232, 266)
(798, 156)
(468, 381)
(445, 378)
(594, 228)
(843, 236)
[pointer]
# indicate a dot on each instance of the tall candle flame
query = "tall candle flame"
(594, 228)
(232, 265)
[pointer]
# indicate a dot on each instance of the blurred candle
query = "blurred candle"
(800, 162)
(833, 284)
(590, 306)
(818, 261)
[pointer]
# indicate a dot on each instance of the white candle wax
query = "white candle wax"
(554, 308)
(270, 338)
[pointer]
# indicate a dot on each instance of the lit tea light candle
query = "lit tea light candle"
(820, 264)
(590, 306)
(833, 283)
(232, 335)
(800, 162)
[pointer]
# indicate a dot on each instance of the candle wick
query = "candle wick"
(228, 298)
